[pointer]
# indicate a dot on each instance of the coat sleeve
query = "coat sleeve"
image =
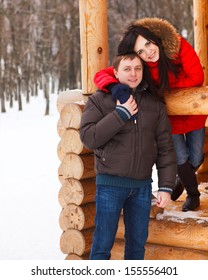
(166, 157)
(105, 77)
(192, 72)
(95, 128)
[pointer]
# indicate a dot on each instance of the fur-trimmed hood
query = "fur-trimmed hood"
(165, 31)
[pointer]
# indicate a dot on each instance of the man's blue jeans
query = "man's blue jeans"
(190, 146)
(136, 205)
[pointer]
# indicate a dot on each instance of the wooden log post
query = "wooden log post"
(200, 9)
(94, 41)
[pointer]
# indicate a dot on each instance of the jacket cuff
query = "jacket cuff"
(165, 189)
(123, 113)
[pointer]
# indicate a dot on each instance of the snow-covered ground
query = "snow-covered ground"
(29, 185)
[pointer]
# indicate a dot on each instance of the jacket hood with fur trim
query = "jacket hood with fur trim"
(165, 31)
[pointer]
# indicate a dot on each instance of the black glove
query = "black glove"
(122, 93)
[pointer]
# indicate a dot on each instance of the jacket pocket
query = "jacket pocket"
(104, 154)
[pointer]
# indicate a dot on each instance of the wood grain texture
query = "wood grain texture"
(77, 191)
(93, 41)
(187, 101)
(77, 166)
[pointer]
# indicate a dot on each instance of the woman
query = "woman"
(173, 63)
(112, 124)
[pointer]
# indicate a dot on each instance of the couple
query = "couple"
(127, 126)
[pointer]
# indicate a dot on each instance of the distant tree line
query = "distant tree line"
(39, 45)
(40, 41)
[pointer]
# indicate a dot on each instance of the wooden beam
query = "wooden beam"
(182, 101)
(187, 101)
(160, 252)
(189, 235)
(94, 41)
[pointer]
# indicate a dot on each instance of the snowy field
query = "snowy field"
(29, 208)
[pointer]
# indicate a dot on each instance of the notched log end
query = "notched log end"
(195, 105)
(203, 96)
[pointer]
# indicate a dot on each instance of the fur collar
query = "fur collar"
(165, 31)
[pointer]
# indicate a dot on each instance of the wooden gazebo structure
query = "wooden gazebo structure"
(172, 233)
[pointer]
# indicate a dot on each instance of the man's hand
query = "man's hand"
(130, 105)
(163, 199)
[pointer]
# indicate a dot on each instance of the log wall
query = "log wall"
(77, 178)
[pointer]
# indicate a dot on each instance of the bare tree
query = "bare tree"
(39, 43)
(121, 13)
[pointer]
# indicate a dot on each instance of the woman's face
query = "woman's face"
(130, 72)
(148, 51)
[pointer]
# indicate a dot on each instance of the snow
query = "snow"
(173, 211)
(29, 208)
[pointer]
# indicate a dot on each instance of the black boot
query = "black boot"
(188, 178)
(192, 202)
(178, 190)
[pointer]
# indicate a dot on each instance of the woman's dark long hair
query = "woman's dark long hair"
(152, 88)
(165, 64)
